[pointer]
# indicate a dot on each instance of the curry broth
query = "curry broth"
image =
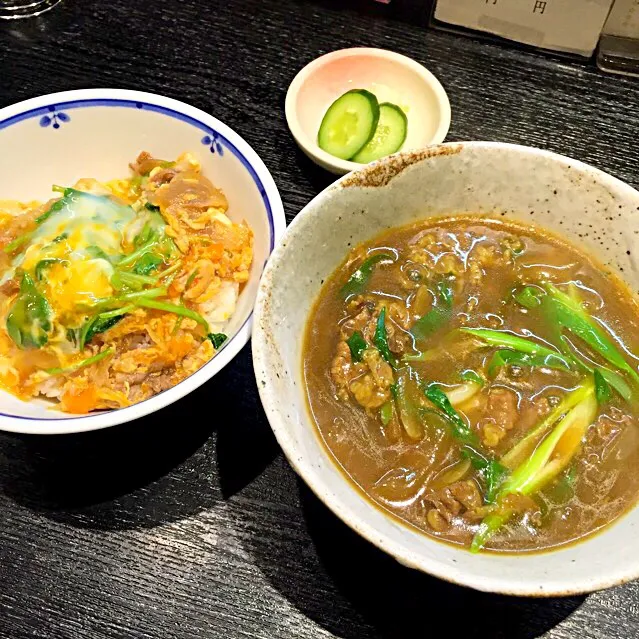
(424, 480)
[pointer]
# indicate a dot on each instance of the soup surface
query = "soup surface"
(476, 379)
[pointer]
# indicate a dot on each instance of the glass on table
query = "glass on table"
(14, 9)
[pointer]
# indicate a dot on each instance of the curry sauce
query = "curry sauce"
(476, 378)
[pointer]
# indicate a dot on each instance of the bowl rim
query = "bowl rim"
(268, 191)
(311, 147)
(359, 522)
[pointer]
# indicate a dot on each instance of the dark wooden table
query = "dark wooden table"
(190, 523)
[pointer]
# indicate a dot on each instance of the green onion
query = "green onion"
(386, 413)
(527, 445)
(359, 279)
(82, 364)
(507, 357)
(172, 308)
(603, 391)
(357, 345)
(408, 413)
(528, 297)
(461, 430)
(565, 312)
(58, 189)
(514, 342)
(380, 339)
(438, 316)
(491, 470)
(459, 395)
(470, 375)
(546, 462)
(615, 380)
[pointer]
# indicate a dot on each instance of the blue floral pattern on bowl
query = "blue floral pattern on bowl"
(54, 118)
(214, 143)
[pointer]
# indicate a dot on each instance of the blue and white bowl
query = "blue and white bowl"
(62, 137)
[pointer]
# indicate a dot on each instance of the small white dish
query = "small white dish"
(392, 77)
(62, 137)
(489, 179)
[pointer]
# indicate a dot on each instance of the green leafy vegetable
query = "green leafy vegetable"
(43, 265)
(505, 357)
(217, 339)
(59, 238)
(58, 205)
(148, 263)
(85, 362)
(393, 390)
(438, 316)
(101, 323)
(357, 345)
(380, 339)
(132, 280)
(359, 279)
(29, 319)
(96, 253)
(73, 335)
(528, 296)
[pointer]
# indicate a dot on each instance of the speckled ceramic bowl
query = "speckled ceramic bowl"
(490, 179)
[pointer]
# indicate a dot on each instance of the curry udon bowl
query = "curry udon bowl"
(491, 180)
(96, 133)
